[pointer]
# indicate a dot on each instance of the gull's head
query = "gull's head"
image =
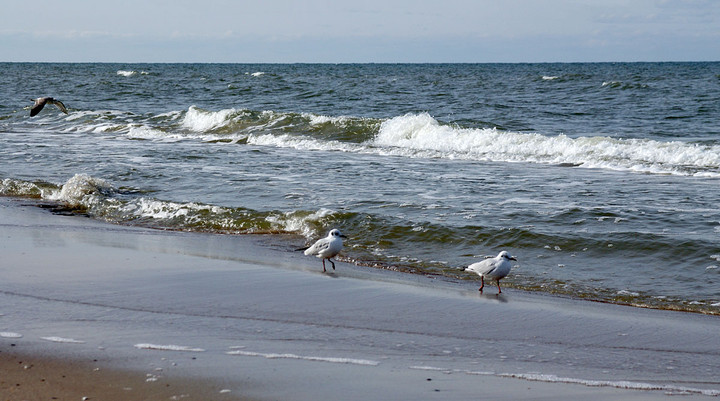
(506, 256)
(336, 233)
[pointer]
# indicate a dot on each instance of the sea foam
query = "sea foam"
(169, 347)
(350, 361)
(302, 143)
(420, 135)
(78, 189)
(202, 121)
(13, 187)
(621, 384)
(298, 221)
(550, 378)
(131, 73)
(62, 340)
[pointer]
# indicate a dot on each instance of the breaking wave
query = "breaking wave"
(422, 135)
(410, 135)
(83, 193)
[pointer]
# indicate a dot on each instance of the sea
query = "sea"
(602, 179)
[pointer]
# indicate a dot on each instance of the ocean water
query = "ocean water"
(603, 179)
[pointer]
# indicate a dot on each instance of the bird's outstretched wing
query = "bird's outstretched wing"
(60, 106)
(39, 104)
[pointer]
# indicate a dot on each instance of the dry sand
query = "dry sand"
(94, 309)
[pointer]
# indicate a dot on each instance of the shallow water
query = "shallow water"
(602, 179)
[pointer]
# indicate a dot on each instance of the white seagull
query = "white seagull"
(493, 268)
(42, 101)
(327, 247)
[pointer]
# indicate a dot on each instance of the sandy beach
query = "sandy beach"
(91, 309)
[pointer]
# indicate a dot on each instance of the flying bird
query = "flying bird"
(42, 101)
(493, 268)
(328, 247)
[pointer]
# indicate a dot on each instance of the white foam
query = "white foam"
(126, 73)
(146, 132)
(302, 143)
(549, 77)
(202, 121)
(420, 135)
(299, 222)
(9, 334)
(12, 187)
(316, 119)
(179, 348)
(621, 384)
(165, 210)
(548, 378)
(350, 361)
(78, 189)
(431, 368)
(62, 340)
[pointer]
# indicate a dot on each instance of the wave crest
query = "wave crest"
(423, 136)
(98, 198)
(79, 191)
(410, 135)
(198, 120)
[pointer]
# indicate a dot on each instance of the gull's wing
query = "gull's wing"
(60, 106)
(483, 267)
(39, 104)
(319, 246)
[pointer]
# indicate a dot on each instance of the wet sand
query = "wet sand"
(237, 317)
(26, 377)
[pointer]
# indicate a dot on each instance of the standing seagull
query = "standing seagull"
(493, 268)
(40, 103)
(327, 247)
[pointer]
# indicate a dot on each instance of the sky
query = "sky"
(359, 31)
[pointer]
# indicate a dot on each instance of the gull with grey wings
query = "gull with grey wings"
(42, 101)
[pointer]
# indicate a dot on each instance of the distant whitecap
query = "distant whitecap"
(62, 340)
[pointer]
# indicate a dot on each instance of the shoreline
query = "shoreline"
(265, 324)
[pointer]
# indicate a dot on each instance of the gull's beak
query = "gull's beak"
(512, 258)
